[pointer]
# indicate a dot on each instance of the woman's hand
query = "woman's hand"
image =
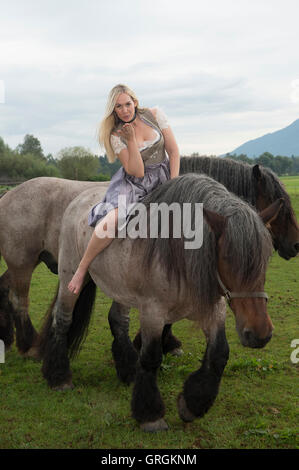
(130, 157)
(127, 132)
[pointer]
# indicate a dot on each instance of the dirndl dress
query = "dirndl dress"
(132, 188)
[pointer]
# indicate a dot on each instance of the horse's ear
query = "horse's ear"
(216, 222)
(269, 214)
(257, 172)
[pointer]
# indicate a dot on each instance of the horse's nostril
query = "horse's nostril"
(253, 341)
(296, 246)
(248, 336)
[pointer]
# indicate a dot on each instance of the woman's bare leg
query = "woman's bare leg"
(103, 235)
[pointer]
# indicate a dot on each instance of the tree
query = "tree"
(77, 163)
(2, 147)
(295, 165)
(32, 146)
(242, 157)
(51, 160)
(267, 160)
(283, 165)
(107, 168)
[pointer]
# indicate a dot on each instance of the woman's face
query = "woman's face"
(124, 107)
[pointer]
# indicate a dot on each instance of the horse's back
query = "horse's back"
(76, 214)
(31, 213)
(75, 232)
(37, 194)
(47, 188)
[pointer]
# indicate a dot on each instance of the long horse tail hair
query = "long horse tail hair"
(81, 318)
(78, 329)
(1, 195)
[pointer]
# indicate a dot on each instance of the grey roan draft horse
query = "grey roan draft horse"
(30, 221)
(31, 215)
(176, 283)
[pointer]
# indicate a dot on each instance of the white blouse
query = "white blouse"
(118, 145)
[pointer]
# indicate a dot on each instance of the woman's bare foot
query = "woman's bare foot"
(77, 281)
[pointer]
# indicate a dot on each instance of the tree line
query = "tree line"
(28, 161)
(281, 165)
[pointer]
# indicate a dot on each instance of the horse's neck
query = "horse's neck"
(235, 176)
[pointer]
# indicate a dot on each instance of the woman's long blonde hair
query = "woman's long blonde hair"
(109, 120)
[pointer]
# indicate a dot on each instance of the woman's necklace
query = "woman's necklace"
(128, 122)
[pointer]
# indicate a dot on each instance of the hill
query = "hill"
(282, 142)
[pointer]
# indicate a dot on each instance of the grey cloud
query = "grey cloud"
(55, 105)
(176, 56)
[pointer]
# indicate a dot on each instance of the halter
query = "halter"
(239, 295)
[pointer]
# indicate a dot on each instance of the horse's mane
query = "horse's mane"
(238, 178)
(247, 241)
(235, 176)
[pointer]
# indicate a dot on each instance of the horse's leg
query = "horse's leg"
(26, 335)
(53, 343)
(170, 344)
(201, 387)
(147, 404)
(64, 329)
(6, 320)
(124, 353)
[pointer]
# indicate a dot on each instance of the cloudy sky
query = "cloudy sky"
(224, 71)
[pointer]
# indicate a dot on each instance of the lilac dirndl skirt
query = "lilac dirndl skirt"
(132, 188)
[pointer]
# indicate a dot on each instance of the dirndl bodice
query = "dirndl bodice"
(131, 188)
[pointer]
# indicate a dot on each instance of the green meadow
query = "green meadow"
(256, 408)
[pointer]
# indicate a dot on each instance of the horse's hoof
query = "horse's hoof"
(154, 426)
(63, 387)
(184, 412)
(176, 352)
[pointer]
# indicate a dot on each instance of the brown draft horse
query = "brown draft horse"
(174, 283)
(258, 186)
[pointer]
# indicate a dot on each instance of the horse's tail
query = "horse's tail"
(80, 320)
(1, 195)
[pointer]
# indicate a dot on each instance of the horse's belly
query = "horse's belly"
(114, 292)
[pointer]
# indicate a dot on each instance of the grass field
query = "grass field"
(257, 405)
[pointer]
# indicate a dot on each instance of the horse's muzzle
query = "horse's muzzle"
(288, 252)
(250, 340)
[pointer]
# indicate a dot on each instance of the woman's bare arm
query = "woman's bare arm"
(171, 147)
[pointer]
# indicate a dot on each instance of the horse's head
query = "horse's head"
(243, 283)
(284, 229)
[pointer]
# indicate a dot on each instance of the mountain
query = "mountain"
(283, 142)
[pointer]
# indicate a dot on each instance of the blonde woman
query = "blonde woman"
(140, 138)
